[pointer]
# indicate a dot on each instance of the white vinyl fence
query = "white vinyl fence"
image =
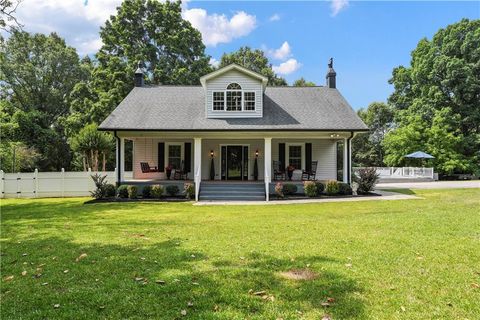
(403, 172)
(50, 184)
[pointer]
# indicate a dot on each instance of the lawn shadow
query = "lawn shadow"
(115, 281)
(402, 191)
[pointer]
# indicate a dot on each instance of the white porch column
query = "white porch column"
(268, 166)
(197, 165)
(119, 160)
(122, 156)
(350, 179)
(345, 160)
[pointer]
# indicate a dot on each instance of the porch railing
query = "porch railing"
(402, 172)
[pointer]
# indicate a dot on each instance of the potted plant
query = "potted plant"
(168, 171)
(290, 170)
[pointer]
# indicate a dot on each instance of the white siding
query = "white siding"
(146, 150)
(323, 150)
(215, 145)
(247, 83)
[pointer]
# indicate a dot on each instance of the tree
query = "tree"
(7, 14)
(38, 73)
(154, 33)
(254, 60)
(437, 138)
(444, 74)
(368, 150)
(303, 83)
(90, 144)
(17, 157)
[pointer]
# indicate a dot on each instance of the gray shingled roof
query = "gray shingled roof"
(183, 108)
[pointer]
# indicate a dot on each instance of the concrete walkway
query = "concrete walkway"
(385, 195)
(430, 185)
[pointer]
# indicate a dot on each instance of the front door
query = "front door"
(234, 162)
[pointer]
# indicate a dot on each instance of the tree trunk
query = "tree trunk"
(96, 160)
(84, 162)
(92, 160)
(104, 165)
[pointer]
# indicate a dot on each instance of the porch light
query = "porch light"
(211, 153)
(334, 135)
(256, 153)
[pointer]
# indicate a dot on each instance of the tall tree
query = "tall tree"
(441, 84)
(368, 149)
(7, 14)
(254, 60)
(38, 73)
(303, 83)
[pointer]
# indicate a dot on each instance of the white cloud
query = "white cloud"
(217, 28)
(275, 17)
(281, 53)
(214, 62)
(287, 67)
(338, 5)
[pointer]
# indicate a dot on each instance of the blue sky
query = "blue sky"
(366, 39)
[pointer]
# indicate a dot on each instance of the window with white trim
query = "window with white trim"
(249, 98)
(295, 156)
(234, 97)
(218, 101)
(175, 156)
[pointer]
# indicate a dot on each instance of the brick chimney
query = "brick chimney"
(331, 75)
(139, 81)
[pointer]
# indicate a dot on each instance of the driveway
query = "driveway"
(430, 185)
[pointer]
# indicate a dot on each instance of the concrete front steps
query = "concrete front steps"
(231, 191)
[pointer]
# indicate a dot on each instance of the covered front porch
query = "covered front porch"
(234, 157)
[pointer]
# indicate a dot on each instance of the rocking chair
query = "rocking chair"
(146, 167)
(310, 174)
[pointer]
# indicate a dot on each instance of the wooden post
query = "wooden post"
(35, 182)
(63, 182)
(2, 184)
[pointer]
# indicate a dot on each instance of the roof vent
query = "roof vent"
(139, 81)
(331, 75)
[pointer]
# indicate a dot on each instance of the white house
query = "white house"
(234, 127)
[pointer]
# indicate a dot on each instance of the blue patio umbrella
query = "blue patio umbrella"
(419, 155)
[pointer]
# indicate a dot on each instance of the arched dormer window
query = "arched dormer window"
(234, 97)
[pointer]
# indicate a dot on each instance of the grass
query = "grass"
(411, 259)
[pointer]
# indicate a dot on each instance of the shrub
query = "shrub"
(172, 190)
(332, 187)
(110, 190)
(279, 190)
(320, 187)
(157, 191)
(122, 191)
(132, 192)
(344, 189)
(289, 188)
(366, 179)
(147, 192)
(310, 188)
(100, 184)
(189, 189)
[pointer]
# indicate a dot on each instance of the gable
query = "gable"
(247, 83)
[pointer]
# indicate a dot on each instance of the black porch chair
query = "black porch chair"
(180, 174)
(278, 171)
(310, 174)
(146, 167)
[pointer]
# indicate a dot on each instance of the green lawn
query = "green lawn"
(410, 259)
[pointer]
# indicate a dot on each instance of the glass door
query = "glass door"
(234, 163)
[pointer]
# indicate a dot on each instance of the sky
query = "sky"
(367, 39)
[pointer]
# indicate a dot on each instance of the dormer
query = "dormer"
(234, 92)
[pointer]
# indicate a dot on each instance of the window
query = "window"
(234, 97)
(218, 100)
(175, 156)
(295, 156)
(249, 101)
